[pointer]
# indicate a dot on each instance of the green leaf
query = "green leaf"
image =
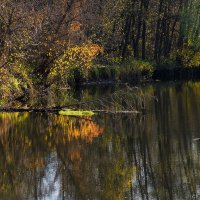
(69, 112)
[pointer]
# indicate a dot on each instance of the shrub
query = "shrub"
(137, 67)
(14, 81)
(133, 70)
(188, 58)
(110, 59)
(101, 72)
(166, 63)
(73, 64)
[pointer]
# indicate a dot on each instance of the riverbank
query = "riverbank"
(112, 75)
(18, 88)
(20, 84)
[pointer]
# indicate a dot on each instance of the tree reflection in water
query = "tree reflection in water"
(151, 156)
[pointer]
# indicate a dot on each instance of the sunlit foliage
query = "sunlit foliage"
(77, 59)
(188, 58)
(14, 81)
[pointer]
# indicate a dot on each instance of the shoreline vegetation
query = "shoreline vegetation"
(47, 45)
(19, 86)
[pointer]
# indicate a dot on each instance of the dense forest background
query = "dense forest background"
(43, 42)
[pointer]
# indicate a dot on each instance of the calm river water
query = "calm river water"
(152, 155)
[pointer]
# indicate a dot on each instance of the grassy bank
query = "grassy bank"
(183, 65)
(20, 81)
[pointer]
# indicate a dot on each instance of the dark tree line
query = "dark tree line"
(144, 29)
(156, 28)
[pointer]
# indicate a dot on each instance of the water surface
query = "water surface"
(149, 156)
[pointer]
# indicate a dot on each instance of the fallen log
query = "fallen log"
(57, 109)
(28, 110)
(117, 111)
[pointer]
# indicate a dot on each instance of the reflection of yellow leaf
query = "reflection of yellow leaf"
(8, 119)
(75, 128)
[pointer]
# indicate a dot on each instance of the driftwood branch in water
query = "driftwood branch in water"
(56, 109)
(117, 111)
(28, 110)
(50, 109)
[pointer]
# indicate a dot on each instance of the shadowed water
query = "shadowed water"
(149, 156)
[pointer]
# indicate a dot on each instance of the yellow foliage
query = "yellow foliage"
(76, 57)
(188, 57)
(14, 78)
